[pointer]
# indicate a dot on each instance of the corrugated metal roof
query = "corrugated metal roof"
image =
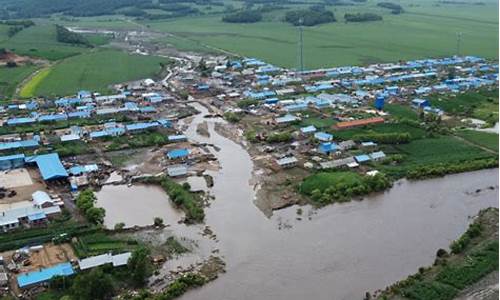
(31, 278)
(50, 166)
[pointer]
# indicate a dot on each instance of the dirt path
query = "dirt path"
(476, 145)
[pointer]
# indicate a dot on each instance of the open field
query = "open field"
(96, 71)
(39, 41)
(423, 30)
(11, 77)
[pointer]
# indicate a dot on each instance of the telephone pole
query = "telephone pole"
(459, 41)
(301, 46)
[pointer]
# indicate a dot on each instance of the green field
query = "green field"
(96, 71)
(11, 77)
(321, 181)
(424, 30)
(444, 149)
(485, 139)
(39, 41)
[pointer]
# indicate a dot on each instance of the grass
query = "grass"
(28, 90)
(40, 41)
(401, 111)
(481, 104)
(484, 139)
(96, 71)
(443, 149)
(323, 180)
(10, 78)
(100, 243)
(424, 30)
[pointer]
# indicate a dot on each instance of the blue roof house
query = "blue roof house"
(420, 103)
(323, 136)
(327, 148)
(308, 129)
(50, 166)
(362, 158)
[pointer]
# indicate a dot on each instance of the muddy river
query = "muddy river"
(343, 250)
(338, 252)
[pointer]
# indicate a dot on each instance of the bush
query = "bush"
(85, 203)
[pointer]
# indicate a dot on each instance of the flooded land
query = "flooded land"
(340, 251)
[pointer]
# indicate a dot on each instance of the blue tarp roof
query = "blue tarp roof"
(178, 153)
(323, 136)
(308, 129)
(12, 157)
(327, 147)
(37, 216)
(18, 144)
(31, 278)
(50, 166)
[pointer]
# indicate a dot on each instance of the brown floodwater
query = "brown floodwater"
(136, 205)
(343, 250)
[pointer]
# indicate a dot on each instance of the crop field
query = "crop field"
(100, 243)
(11, 77)
(39, 41)
(96, 71)
(424, 29)
(28, 90)
(485, 139)
(445, 149)
(415, 132)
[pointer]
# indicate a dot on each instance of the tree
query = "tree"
(95, 215)
(158, 221)
(119, 226)
(139, 265)
(92, 285)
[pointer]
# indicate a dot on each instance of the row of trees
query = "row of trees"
(246, 16)
(63, 35)
(362, 17)
(394, 7)
(85, 203)
(439, 170)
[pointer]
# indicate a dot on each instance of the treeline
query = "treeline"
(385, 138)
(362, 17)
(189, 202)
(16, 26)
(63, 35)
(441, 169)
(85, 203)
(246, 16)
(309, 17)
(17, 9)
(279, 137)
(394, 7)
(345, 190)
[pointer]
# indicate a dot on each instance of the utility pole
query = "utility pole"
(459, 41)
(301, 45)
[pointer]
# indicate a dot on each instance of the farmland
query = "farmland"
(11, 77)
(485, 139)
(433, 33)
(95, 71)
